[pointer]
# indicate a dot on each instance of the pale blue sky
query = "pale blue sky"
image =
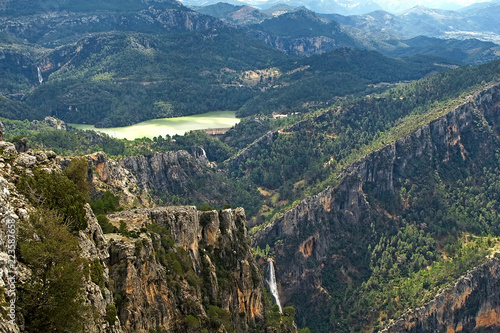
(405, 4)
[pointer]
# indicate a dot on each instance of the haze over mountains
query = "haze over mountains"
(477, 21)
(349, 7)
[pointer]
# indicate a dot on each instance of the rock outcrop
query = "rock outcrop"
(471, 305)
(218, 270)
(50, 25)
(170, 269)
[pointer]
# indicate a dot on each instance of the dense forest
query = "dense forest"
(121, 78)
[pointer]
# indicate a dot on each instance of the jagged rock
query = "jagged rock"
(26, 161)
(112, 176)
(50, 154)
(138, 274)
(95, 249)
(203, 236)
(41, 157)
(55, 123)
(315, 235)
(8, 224)
(8, 149)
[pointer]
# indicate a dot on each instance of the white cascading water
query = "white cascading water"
(272, 284)
(40, 78)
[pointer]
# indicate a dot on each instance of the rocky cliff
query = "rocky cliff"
(50, 25)
(471, 305)
(208, 270)
(169, 269)
(170, 177)
(322, 243)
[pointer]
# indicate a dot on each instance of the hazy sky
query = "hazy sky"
(405, 4)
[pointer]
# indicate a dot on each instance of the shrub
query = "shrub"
(107, 203)
(192, 323)
(111, 314)
(97, 273)
(77, 172)
(50, 299)
(106, 226)
(55, 191)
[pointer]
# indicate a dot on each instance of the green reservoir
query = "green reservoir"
(170, 126)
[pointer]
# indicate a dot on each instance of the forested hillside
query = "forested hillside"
(403, 189)
(97, 65)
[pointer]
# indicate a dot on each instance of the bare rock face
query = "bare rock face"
(7, 148)
(471, 304)
(8, 271)
(172, 269)
(98, 297)
(171, 171)
(219, 269)
(314, 240)
(22, 145)
(55, 123)
(109, 175)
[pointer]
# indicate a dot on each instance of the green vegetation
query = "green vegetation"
(55, 191)
(409, 245)
(51, 297)
(128, 76)
(125, 78)
(106, 226)
(97, 273)
(411, 238)
(111, 314)
(279, 322)
(42, 136)
(390, 296)
(327, 77)
(107, 203)
(305, 158)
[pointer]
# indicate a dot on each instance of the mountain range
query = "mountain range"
(350, 7)
(476, 21)
(84, 63)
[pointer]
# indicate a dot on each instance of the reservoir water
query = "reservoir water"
(170, 126)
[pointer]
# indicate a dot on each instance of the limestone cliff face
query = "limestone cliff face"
(8, 221)
(172, 269)
(13, 208)
(135, 179)
(209, 240)
(323, 236)
(108, 175)
(48, 25)
(320, 36)
(179, 175)
(170, 171)
(472, 304)
(300, 46)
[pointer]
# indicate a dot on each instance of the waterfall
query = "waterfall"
(40, 78)
(204, 153)
(272, 284)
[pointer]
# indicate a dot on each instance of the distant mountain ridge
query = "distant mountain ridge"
(345, 7)
(477, 21)
(298, 31)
